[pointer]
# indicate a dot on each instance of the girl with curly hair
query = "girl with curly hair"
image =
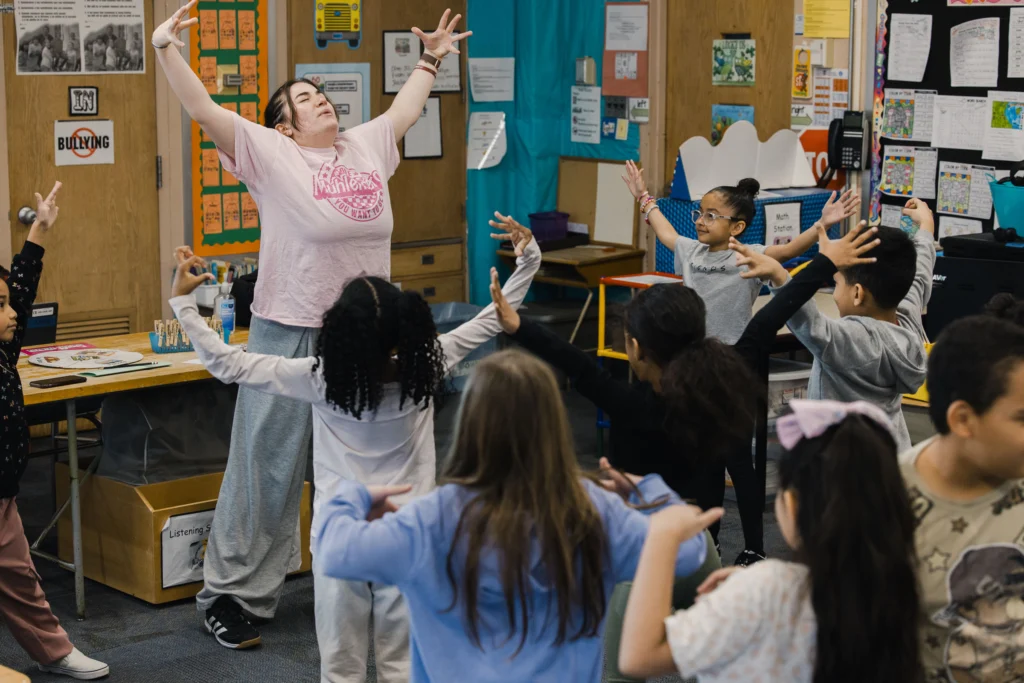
(378, 363)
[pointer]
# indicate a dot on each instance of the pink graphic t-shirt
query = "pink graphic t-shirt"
(325, 214)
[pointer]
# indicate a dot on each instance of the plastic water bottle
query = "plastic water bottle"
(224, 308)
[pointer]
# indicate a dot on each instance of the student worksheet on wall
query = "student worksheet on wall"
(974, 54)
(910, 46)
(1004, 133)
(909, 172)
(908, 114)
(957, 122)
(963, 190)
(1015, 58)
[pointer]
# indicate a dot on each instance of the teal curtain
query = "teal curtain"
(545, 37)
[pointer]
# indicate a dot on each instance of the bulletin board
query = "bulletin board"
(937, 77)
(232, 39)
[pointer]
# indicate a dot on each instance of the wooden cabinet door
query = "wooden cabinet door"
(102, 258)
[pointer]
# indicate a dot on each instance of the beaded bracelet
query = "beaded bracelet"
(647, 216)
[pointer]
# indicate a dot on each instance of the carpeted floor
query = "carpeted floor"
(167, 644)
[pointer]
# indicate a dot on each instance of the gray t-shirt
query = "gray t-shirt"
(715, 276)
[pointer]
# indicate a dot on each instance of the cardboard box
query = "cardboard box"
(126, 533)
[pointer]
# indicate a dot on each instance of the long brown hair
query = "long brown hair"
(513, 450)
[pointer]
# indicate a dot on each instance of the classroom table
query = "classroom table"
(180, 371)
(582, 267)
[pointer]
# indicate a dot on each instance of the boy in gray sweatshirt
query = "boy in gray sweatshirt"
(875, 351)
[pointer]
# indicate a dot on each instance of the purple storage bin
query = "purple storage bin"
(549, 225)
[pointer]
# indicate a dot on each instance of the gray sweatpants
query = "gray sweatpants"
(254, 535)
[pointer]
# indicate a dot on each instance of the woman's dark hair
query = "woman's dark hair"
(527, 496)
(372, 332)
(856, 533)
(281, 107)
(741, 198)
(711, 392)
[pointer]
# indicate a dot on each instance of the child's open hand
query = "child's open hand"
(760, 266)
(184, 281)
(634, 179)
(836, 211)
(516, 233)
(920, 213)
(508, 317)
(380, 503)
(683, 522)
(849, 249)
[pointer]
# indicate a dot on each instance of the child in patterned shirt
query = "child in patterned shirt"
(844, 611)
(966, 488)
(23, 606)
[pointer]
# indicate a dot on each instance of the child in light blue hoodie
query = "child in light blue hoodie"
(508, 567)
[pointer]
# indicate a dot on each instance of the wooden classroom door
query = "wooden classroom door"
(102, 259)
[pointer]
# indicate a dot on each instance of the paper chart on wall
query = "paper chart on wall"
(625, 27)
(908, 115)
(492, 79)
(1015, 58)
(963, 190)
(974, 54)
(1004, 130)
(959, 122)
(909, 47)
(831, 95)
(88, 36)
(950, 226)
(909, 172)
(488, 141)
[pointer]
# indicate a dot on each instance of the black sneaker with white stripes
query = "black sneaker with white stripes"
(747, 558)
(229, 626)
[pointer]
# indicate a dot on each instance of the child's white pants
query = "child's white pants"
(343, 610)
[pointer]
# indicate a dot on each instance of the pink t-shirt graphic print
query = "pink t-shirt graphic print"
(325, 214)
(359, 196)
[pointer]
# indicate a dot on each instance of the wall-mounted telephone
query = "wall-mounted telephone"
(845, 145)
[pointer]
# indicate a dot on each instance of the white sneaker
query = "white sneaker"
(77, 666)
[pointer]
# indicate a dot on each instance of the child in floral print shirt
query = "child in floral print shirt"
(23, 607)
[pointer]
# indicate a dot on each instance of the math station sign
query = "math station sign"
(83, 143)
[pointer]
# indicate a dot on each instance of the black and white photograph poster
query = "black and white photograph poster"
(85, 36)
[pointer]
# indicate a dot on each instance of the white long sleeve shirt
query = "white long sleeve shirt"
(395, 445)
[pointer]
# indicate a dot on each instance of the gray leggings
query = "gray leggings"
(683, 595)
(254, 540)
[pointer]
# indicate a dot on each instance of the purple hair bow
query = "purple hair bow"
(811, 419)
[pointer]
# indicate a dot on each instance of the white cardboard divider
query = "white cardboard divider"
(778, 163)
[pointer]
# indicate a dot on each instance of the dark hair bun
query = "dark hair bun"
(749, 186)
(1007, 307)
